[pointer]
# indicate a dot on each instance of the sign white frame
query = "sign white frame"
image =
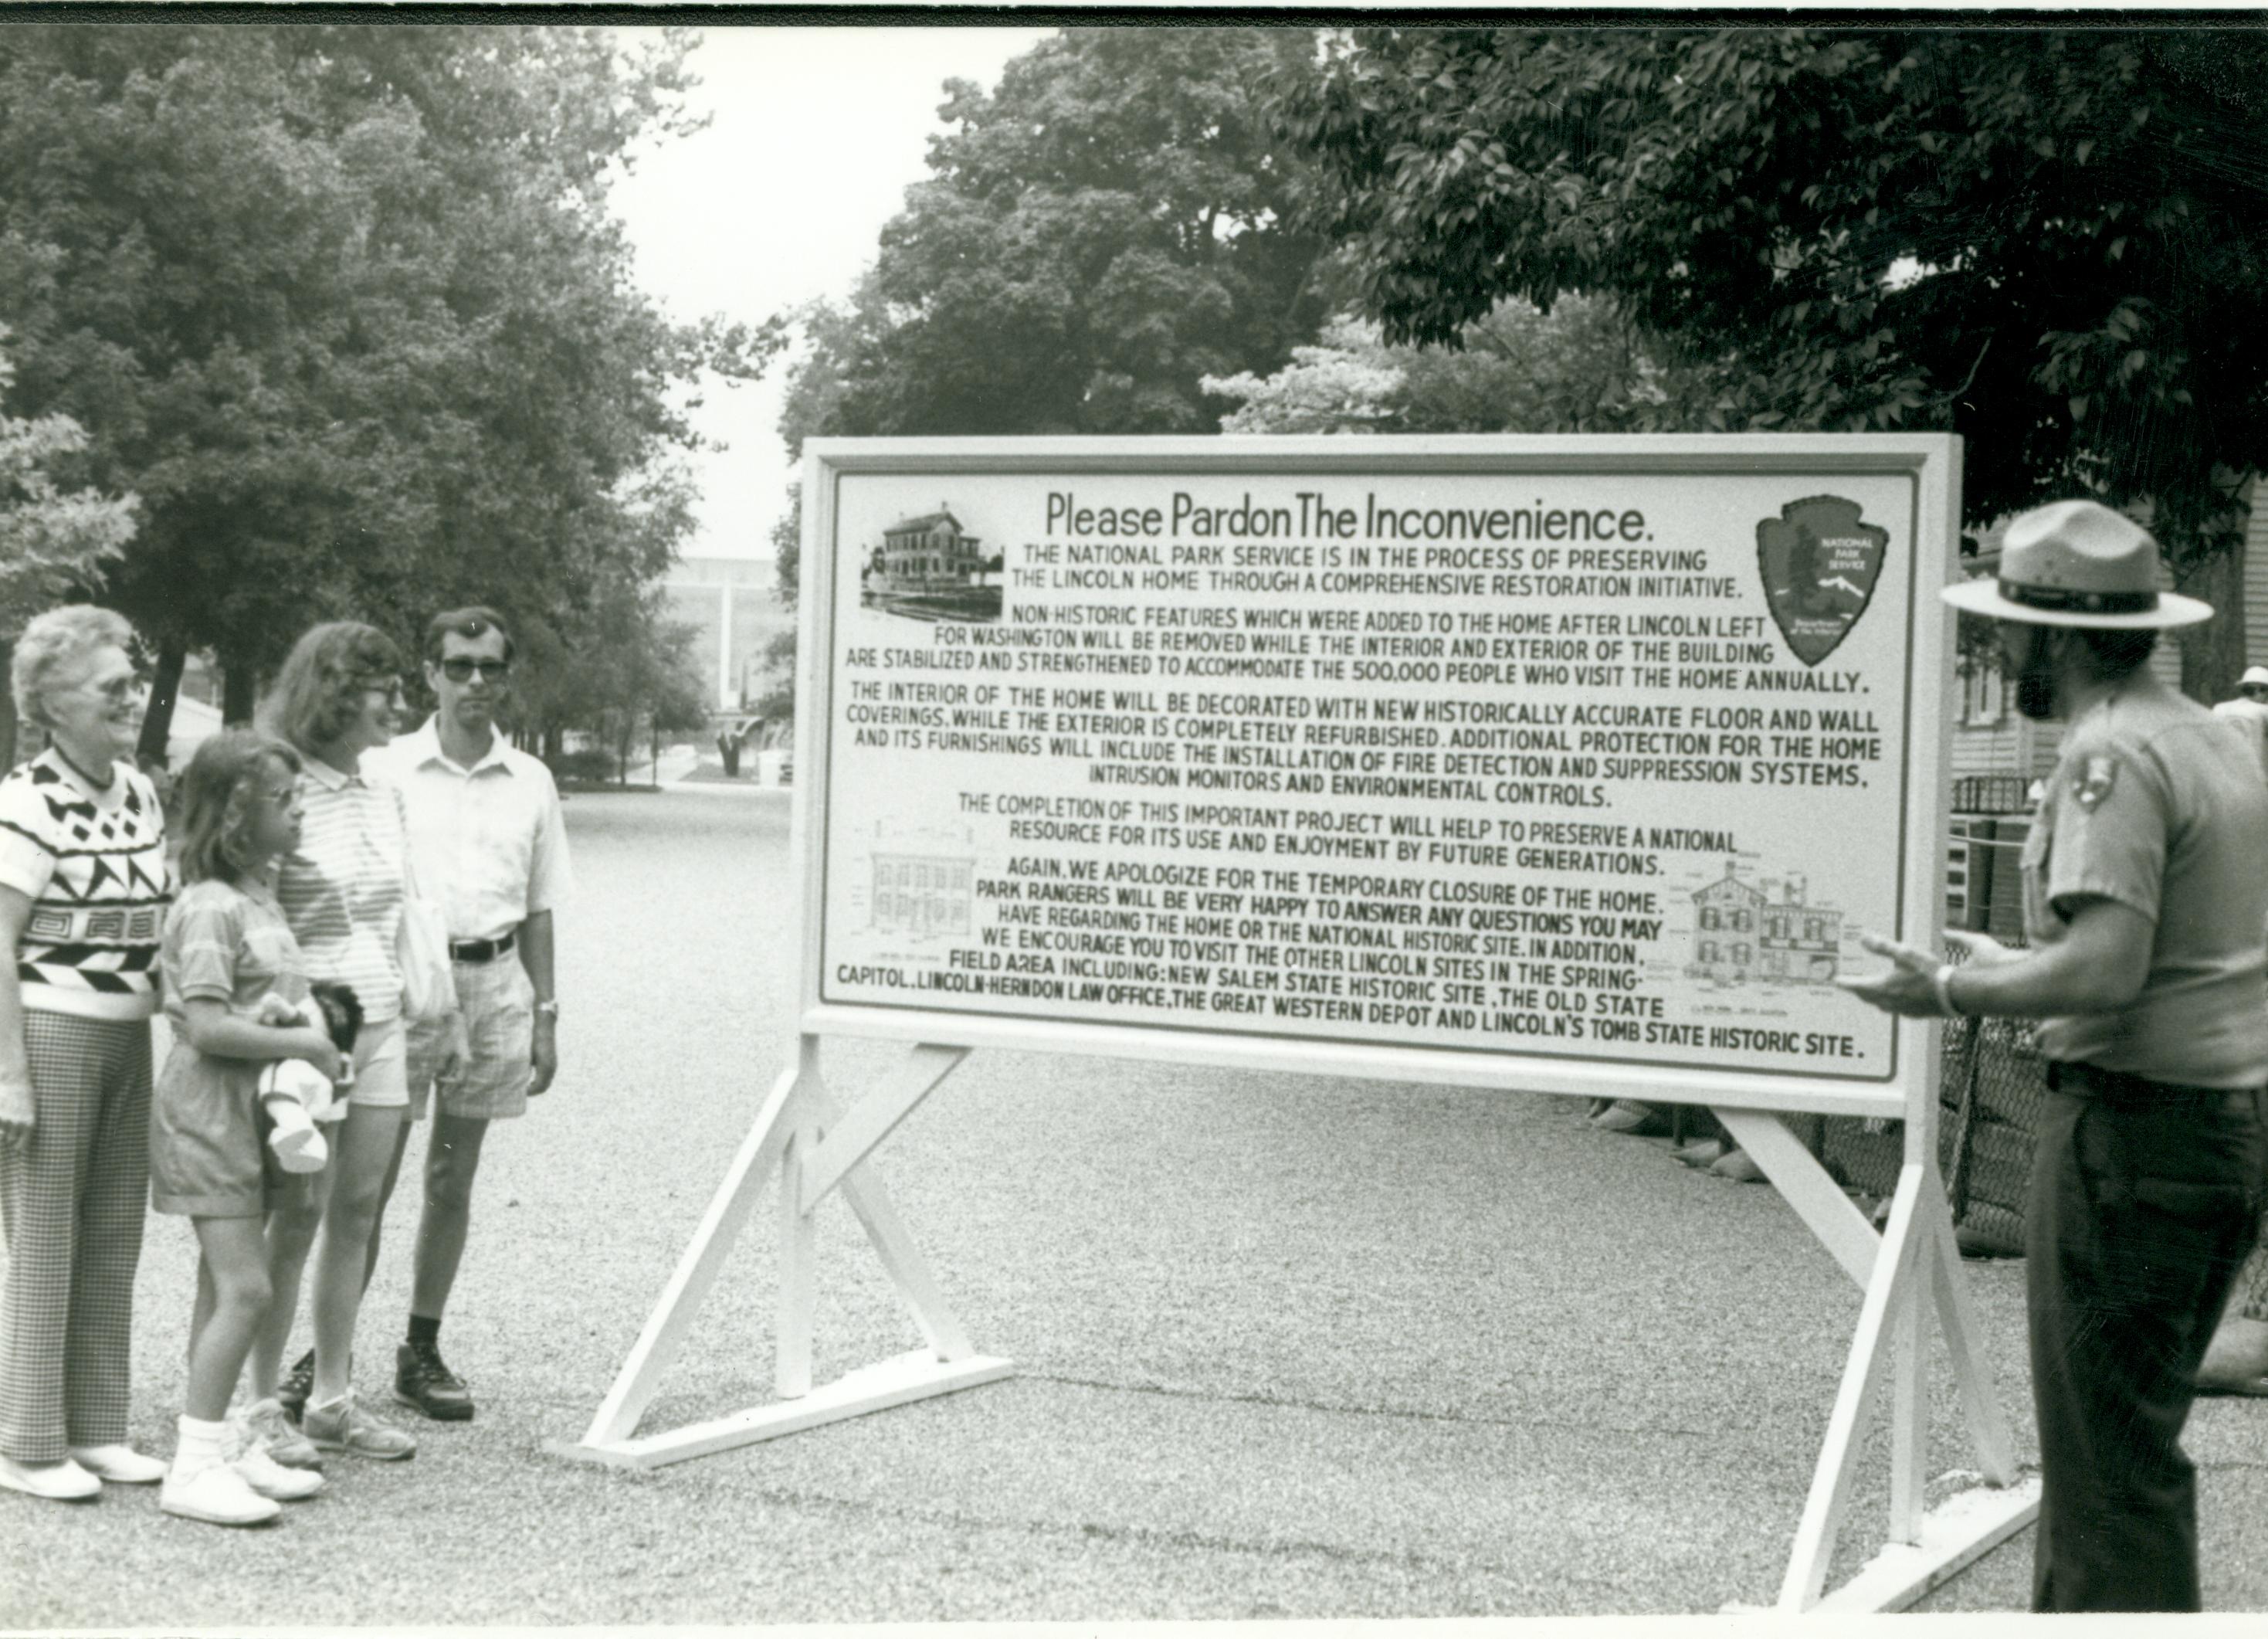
(1909, 1271)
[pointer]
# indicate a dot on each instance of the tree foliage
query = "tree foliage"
(2052, 242)
(1094, 238)
(53, 543)
(345, 305)
(1579, 368)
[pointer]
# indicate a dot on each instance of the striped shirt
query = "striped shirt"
(342, 887)
(95, 870)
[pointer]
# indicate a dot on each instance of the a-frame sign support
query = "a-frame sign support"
(1908, 1272)
(799, 1140)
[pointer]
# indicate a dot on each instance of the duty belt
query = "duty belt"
(2124, 1087)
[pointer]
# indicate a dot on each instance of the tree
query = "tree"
(346, 306)
(623, 667)
(52, 543)
(1109, 228)
(1579, 368)
(2052, 242)
(1104, 230)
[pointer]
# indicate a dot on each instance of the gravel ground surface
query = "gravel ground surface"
(1286, 1348)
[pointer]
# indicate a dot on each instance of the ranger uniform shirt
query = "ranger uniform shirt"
(2156, 805)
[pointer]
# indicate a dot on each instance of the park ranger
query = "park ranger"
(2146, 907)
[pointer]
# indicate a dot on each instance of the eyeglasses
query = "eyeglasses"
(118, 690)
(457, 668)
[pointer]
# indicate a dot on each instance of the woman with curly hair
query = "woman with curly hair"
(341, 891)
(83, 887)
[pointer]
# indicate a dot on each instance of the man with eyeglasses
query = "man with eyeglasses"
(490, 850)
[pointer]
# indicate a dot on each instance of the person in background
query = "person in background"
(491, 848)
(2249, 711)
(2147, 909)
(83, 887)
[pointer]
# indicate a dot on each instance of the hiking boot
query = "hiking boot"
(425, 1384)
(279, 1437)
(342, 1426)
(298, 1382)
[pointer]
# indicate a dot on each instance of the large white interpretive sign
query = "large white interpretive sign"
(1579, 750)
(1571, 766)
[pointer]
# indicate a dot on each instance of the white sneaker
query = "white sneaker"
(218, 1495)
(119, 1465)
(59, 1482)
(270, 1478)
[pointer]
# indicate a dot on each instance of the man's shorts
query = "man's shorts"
(498, 1001)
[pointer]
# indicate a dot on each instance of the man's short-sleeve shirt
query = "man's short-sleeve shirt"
(489, 843)
(93, 864)
(2155, 805)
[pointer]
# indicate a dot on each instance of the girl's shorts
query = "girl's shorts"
(208, 1154)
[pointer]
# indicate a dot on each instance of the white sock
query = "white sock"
(200, 1446)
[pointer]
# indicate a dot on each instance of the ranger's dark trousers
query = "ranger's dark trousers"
(2144, 1202)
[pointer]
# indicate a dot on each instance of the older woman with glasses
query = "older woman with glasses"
(338, 696)
(84, 886)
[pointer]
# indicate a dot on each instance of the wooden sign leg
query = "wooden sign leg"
(798, 1137)
(1910, 1271)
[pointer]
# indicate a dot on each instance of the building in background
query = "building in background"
(730, 606)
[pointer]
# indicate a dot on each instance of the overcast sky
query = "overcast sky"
(814, 135)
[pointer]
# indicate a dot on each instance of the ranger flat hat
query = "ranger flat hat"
(2078, 563)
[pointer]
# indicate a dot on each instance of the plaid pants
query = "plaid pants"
(72, 1198)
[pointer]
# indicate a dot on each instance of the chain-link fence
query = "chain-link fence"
(1989, 1098)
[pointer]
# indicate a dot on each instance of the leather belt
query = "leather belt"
(473, 952)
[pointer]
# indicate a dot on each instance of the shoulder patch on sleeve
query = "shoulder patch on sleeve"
(2093, 781)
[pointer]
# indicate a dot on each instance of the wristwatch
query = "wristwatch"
(550, 1008)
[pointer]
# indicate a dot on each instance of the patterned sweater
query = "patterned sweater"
(96, 873)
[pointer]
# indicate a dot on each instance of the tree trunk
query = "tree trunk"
(165, 690)
(7, 709)
(240, 691)
(2212, 653)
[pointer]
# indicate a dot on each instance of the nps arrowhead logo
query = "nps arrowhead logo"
(1819, 565)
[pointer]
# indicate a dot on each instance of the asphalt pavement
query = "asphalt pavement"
(1286, 1348)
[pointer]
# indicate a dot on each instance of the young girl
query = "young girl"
(226, 948)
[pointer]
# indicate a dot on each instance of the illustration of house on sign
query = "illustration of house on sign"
(928, 552)
(1743, 934)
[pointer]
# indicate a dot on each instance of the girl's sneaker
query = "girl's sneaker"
(267, 1476)
(216, 1494)
(342, 1426)
(265, 1421)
